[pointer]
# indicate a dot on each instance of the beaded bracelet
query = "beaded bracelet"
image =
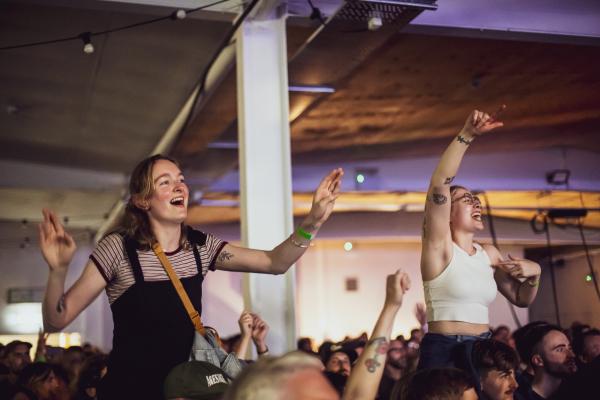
(297, 243)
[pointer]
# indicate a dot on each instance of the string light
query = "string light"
(179, 14)
(88, 48)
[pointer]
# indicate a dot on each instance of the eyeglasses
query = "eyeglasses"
(468, 198)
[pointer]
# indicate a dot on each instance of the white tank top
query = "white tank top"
(464, 290)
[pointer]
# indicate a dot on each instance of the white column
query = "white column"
(265, 169)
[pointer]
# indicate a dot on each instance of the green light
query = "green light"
(348, 246)
(588, 278)
(360, 178)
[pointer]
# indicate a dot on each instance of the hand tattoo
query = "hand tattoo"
(449, 180)
(61, 304)
(381, 348)
(463, 140)
(437, 198)
(224, 256)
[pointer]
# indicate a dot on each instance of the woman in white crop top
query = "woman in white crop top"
(461, 277)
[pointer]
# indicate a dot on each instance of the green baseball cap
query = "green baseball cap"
(196, 380)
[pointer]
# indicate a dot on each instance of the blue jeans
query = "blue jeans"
(439, 351)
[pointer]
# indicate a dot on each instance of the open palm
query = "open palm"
(325, 195)
(57, 245)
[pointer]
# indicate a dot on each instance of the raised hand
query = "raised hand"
(56, 244)
(519, 267)
(245, 323)
(397, 284)
(324, 198)
(479, 122)
(259, 329)
(40, 352)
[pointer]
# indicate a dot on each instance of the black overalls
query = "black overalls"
(152, 331)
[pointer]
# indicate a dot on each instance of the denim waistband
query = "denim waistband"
(463, 338)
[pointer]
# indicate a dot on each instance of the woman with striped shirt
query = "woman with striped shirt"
(152, 330)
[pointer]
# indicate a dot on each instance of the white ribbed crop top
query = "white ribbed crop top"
(464, 290)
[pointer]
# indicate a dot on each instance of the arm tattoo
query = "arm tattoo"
(60, 307)
(449, 180)
(381, 348)
(463, 140)
(224, 256)
(437, 198)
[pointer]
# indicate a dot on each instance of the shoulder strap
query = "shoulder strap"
(131, 250)
(194, 316)
(196, 239)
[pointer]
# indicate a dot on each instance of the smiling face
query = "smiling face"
(169, 199)
(339, 363)
(499, 385)
(465, 212)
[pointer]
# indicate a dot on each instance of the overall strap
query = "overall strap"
(196, 239)
(131, 248)
(187, 303)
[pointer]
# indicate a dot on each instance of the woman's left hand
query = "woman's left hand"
(519, 267)
(324, 198)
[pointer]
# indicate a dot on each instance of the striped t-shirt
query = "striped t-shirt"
(111, 260)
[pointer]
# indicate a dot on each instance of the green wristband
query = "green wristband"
(304, 234)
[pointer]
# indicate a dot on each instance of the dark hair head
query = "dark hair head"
(135, 222)
(532, 339)
(579, 340)
(519, 336)
(34, 373)
(91, 373)
(491, 354)
(433, 384)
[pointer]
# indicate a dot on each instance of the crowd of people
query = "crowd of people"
(537, 361)
(152, 267)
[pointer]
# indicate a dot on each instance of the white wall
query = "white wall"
(327, 311)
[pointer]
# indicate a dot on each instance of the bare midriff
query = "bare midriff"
(457, 328)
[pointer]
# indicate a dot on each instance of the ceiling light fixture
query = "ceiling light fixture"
(179, 14)
(88, 47)
(311, 89)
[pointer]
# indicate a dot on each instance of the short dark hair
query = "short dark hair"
(433, 384)
(579, 340)
(491, 354)
(519, 338)
(532, 338)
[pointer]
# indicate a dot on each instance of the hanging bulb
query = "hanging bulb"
(88, 47)
(179, 14)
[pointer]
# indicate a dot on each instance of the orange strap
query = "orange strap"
(189, 307)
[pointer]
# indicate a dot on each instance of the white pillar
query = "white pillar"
(265, 169)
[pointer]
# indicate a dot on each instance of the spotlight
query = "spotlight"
(88, 47)
(367, 179)
(374, 23)
(558, 177)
